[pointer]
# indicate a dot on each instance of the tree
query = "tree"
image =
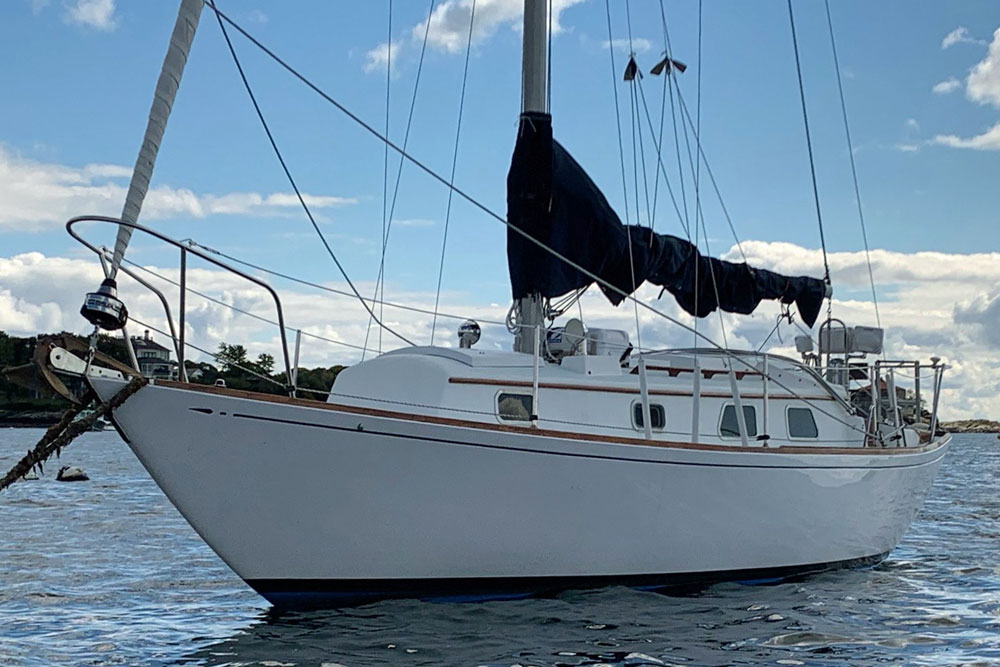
(264, 364)
(232, 358)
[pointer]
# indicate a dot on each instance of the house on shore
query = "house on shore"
(154, 359)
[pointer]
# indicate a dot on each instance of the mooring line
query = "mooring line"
(66, 430)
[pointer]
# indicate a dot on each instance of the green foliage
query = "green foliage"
(114, 347)
(15, 351)
(317, 379)
(233, 365)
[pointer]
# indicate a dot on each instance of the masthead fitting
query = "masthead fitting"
(103, 308)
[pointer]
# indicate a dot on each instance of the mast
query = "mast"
(534, 97)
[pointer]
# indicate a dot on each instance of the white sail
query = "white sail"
(163, 102)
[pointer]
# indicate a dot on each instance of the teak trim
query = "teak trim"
(534, 431)
(611, 389)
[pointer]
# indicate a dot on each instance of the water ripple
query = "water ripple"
(108, 573)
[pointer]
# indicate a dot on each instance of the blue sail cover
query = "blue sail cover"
(551, 198)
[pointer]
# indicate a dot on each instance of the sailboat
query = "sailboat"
(572, 460)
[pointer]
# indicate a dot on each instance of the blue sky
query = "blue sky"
(79, 75)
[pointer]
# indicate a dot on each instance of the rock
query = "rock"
(71, 474)
(30, 475)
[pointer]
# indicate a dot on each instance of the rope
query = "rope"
(854, 171)
(399, 175)
(812, 163)
(288, 173)
(454, 164)
(66, 430)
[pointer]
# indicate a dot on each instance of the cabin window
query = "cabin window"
(657, 416)
(514, 407)
(730, 426)
(801, 423)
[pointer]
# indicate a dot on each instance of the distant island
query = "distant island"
(971, 426)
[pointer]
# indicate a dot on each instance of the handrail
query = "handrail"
(107, 253)
(185, 248)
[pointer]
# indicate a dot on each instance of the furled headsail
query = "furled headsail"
(551, 198)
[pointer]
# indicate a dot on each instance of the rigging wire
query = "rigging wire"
(812, 162)
(688, 121)
(618, 120)
(854, 171)
(698, 216)
(496, 216)
(288, 174)
(230, 306)
(658, 140)
(698, 213)
(677, 146)
(454, 164)
(621, 154)
(661, 168)
(637, 127)
(385, 160)
(380, 280)
(332, 290)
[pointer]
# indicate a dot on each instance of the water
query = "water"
(106, 572)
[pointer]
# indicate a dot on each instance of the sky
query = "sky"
(921, 82)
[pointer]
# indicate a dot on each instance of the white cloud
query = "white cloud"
(37, 195)
(449, 27)
(890, 267)
(983, 84)
(38, 5)
(257, 16)
(911, 124)
(987, 141)
(382, 56)
(983, 310)
(637, 44)
(949, 85)
(99, 14)
(931, 303)
(959, 35)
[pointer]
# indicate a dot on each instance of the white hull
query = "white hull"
(346, 501)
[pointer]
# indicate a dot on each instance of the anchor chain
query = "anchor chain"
(66, 430)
